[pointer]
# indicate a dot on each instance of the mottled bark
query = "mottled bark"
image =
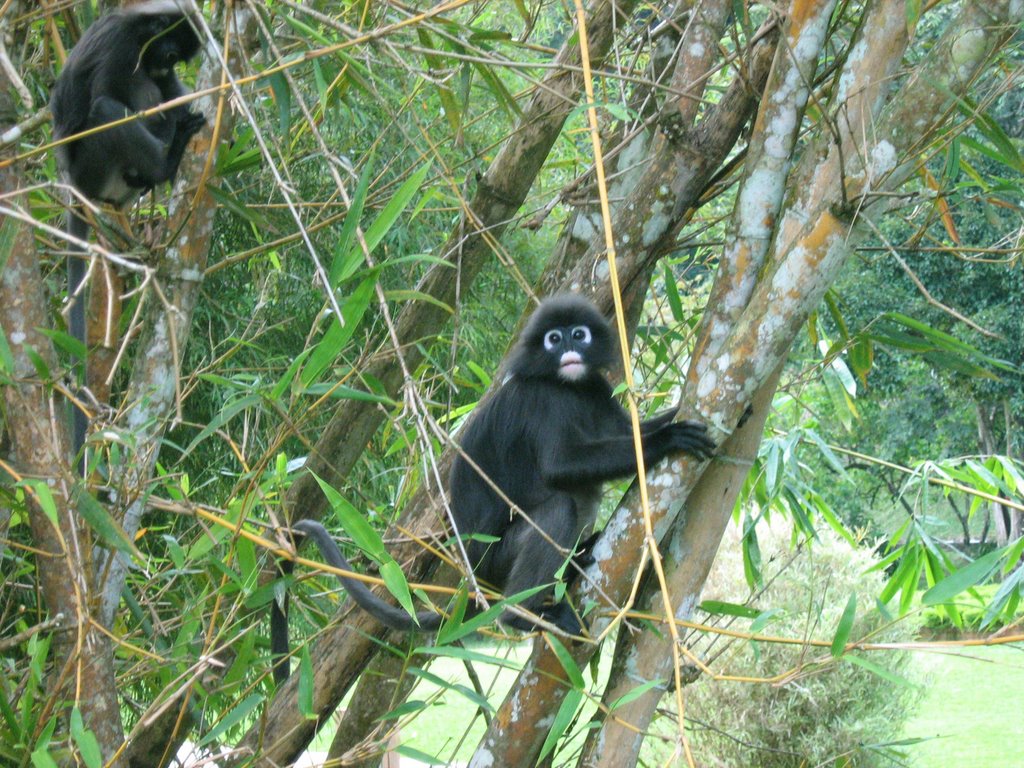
(689, 554)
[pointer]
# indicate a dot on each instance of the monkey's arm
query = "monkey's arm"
(576, 461)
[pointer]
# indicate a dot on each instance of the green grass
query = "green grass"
(971, 713)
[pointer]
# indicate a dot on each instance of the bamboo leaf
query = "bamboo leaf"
(563, 719)
(963, 578)
(102, 522)
(844, 627)
(85, 740)
(241, 712)
(874, 669)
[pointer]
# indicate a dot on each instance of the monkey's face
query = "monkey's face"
(165, 39)
(566, 340)
(568, 349)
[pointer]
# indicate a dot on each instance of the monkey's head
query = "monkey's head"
(164, 34)
(566, 339)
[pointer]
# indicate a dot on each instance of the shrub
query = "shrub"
(828, 712)
(972, 609)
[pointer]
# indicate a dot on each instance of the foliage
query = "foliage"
(812, 706)
(973, 614)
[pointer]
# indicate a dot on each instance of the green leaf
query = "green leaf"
(396, 206)
(6, 356)
(422, 757)
(1008, 594)
(397, 585)
(409, 707)
(305, 692)
(346, 258)
(307, 32)
(465, 654)
(457, 629)
(636, 693)
(963, 578)
(283, 97)
(862, 357)
(289, 376)
(504, 98)
(229, 202)
(101, 521)
(913, 14)
(401, 295)
(362, 533)
(877, 670)
(236, 716)
(437, 63)
(568, 663)
(41, 758)
(845, 627)
(228, 412)
(85, 740)
(43, 497)
(930, 338)
(563, 719)
(370, 542)
(721, 608)
(477, 699)
(339, 332)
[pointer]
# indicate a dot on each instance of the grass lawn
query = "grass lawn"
(972, 711)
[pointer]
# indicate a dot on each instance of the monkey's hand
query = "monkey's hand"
(562, 616)
(191, 124)
(583, 557)
(688, 437)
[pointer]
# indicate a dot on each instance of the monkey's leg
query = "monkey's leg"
(530, 559)
(133, 152)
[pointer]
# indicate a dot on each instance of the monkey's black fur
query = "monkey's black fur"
(123, 64)
(550, 437)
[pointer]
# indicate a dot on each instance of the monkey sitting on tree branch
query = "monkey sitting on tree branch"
(547, 441)
(123, 64)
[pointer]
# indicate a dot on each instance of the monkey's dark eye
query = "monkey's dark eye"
(581, 333)
(552, 339)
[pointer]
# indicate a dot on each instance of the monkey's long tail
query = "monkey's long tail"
(389, 615)
(77, 227)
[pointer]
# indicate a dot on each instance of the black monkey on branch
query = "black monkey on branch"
(550, 437)
(123, 64)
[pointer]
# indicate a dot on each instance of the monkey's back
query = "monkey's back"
(96, 63)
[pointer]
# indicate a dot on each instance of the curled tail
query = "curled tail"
(389, 615)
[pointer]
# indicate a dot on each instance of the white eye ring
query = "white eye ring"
(581, 333)
(552, 339)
